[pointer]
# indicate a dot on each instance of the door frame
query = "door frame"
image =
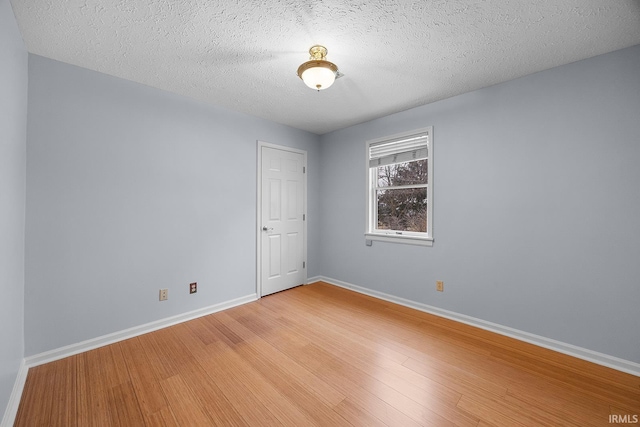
(259, 233)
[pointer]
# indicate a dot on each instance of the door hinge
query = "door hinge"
(304, 264)
(304, 217)
(304, 169)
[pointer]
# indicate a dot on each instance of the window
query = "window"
(400, 188)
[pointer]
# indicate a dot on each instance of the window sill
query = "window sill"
(407, 240)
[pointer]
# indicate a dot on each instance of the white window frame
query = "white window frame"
(406, 237)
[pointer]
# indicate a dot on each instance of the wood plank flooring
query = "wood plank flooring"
(321, 355)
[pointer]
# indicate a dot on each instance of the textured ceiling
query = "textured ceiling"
(395, 54)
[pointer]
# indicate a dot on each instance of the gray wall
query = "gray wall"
(537, 206)
(13, 138)
(132, 189)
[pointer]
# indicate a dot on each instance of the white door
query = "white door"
(282, 220)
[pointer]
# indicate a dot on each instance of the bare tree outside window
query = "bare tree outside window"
(404, 208)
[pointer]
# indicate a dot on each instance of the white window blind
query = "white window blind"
(405, 149)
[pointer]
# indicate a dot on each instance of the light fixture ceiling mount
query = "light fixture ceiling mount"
(318, 73)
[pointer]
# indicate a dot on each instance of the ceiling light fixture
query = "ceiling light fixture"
(318, 73)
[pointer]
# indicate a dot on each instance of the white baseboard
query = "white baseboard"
(314, 279)
(14, 400)
(70, 350)
(561, 347)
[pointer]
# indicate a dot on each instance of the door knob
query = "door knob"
(265, 228)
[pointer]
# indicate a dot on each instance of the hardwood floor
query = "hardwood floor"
(322, 355)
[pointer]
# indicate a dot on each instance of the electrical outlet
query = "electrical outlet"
(193, 287)
(164, 294)
(439, 286)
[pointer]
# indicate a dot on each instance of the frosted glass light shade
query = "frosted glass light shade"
(319, 76)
